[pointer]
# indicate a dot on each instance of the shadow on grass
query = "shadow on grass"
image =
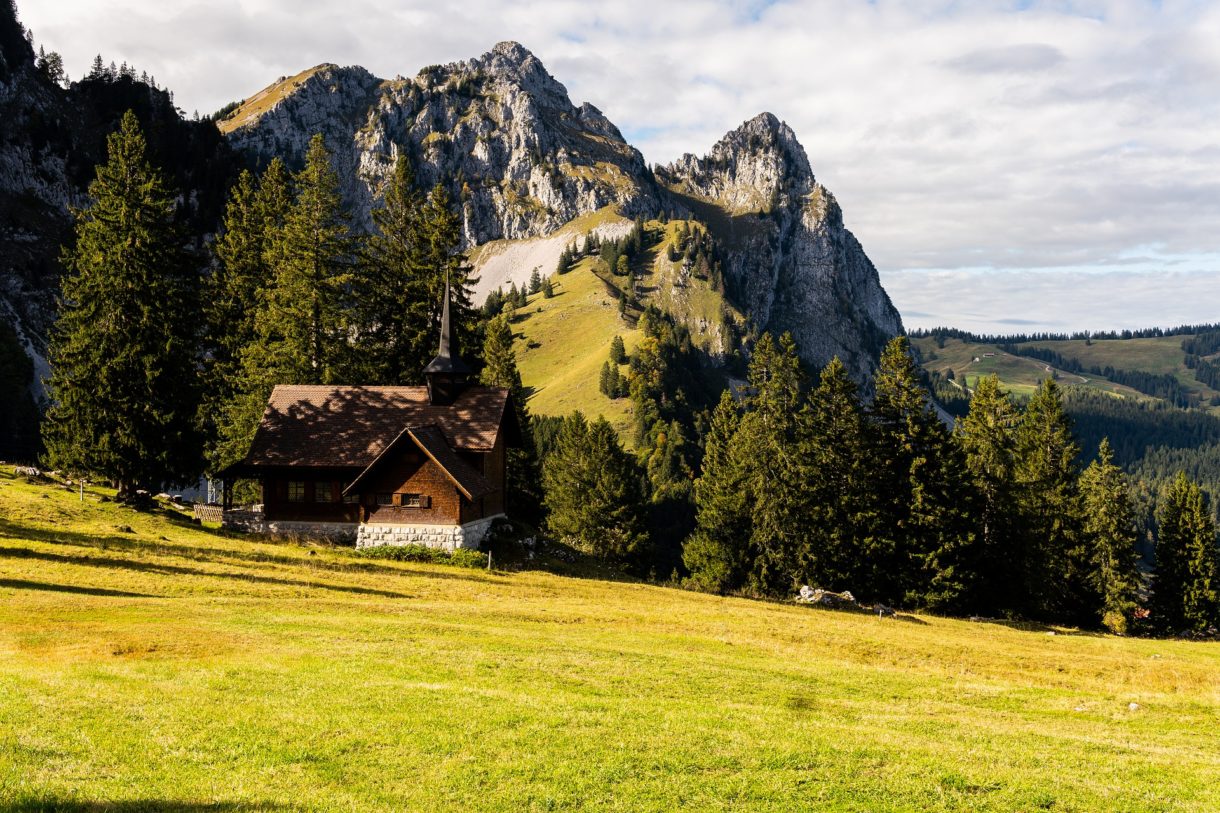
(51, 805)
(177, 570)
(21, 584)
(128, 543)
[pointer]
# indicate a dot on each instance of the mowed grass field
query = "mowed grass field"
(149, 664)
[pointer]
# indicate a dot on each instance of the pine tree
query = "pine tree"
(500, 370)
(987, 437)
(842, 500)
(1054, 567)
(717, 553)
(922, 557)
(535, 281)
(397, 291)
(618, 353)
(606, 382)
(1186, 590)
(593, 490)
(302, 328)
(769, 441)
(1110, 533)
(548, 290)
(124, 387)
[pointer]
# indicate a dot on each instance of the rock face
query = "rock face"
(501, 133)
(498, 131)
(50, 142)
(791, 263)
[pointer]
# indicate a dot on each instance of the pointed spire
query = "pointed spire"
(447, 372)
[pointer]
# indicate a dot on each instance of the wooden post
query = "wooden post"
(82, 489)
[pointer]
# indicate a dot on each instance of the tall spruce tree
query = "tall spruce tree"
(1186, 590)
(398, 290)
(500, 370)
(302, 328)
(988, 439)
(1054, 567)
(717, 553)
(924, 554)
(241, 276)
(442, 255)
(593, 490)
(769, 441)
(1110, 533)
(843, 502)
(124, 387)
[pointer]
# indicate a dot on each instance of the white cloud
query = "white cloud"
(1027, 134)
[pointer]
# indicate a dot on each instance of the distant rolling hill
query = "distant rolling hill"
(1154, 396)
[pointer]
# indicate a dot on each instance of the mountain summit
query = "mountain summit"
(524, 161)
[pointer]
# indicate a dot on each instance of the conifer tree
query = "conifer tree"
(1054, 562)
(234, 294)
(442, 230)
(124, 385)
(606, 384)
(500, 370)
(770, 439)
(922, 557)
(1186, 590)
(397, 291)
(535, 281)
(548, 290)
(717, 553)
(593, 490)
(618, 353)
(302, 328)
(1110, 532)
(841, 495)
(987, 437)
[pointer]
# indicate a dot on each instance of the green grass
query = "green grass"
(264, 100)
(174, 667)
(562, 343)
(1019, 374)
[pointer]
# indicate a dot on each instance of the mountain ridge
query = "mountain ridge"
(523, 161)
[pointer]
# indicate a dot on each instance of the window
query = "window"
(329, 492)
(352, 499)
(414, 500)
(385, 499)
(296, 491)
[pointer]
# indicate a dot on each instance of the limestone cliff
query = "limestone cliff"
(790, 262)
(524, 161)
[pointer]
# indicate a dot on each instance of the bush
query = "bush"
(422, 553)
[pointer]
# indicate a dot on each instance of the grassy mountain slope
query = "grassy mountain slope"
(151, 664)
(562, 342)
(1019, 374)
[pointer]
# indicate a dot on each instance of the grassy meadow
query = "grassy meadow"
(148, 664)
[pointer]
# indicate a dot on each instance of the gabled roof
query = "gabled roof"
(349, 427)
(431, 441)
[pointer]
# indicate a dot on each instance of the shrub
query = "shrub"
(422, 553)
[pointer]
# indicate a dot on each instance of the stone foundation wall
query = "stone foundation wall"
(445, 537)
(253, 523)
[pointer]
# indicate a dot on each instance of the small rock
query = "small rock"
(1133, 707)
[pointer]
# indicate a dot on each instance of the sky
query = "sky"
(1008, 166)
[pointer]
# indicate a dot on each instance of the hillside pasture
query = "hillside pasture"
(149, 664)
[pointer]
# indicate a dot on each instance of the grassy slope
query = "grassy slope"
(174, 667)
(1021, 374)
(1018, 374)
(572, 331)
(264, 100)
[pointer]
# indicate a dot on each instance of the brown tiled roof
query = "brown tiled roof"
(306, 425)
(430, 439)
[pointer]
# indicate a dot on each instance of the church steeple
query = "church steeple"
(447, 373)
